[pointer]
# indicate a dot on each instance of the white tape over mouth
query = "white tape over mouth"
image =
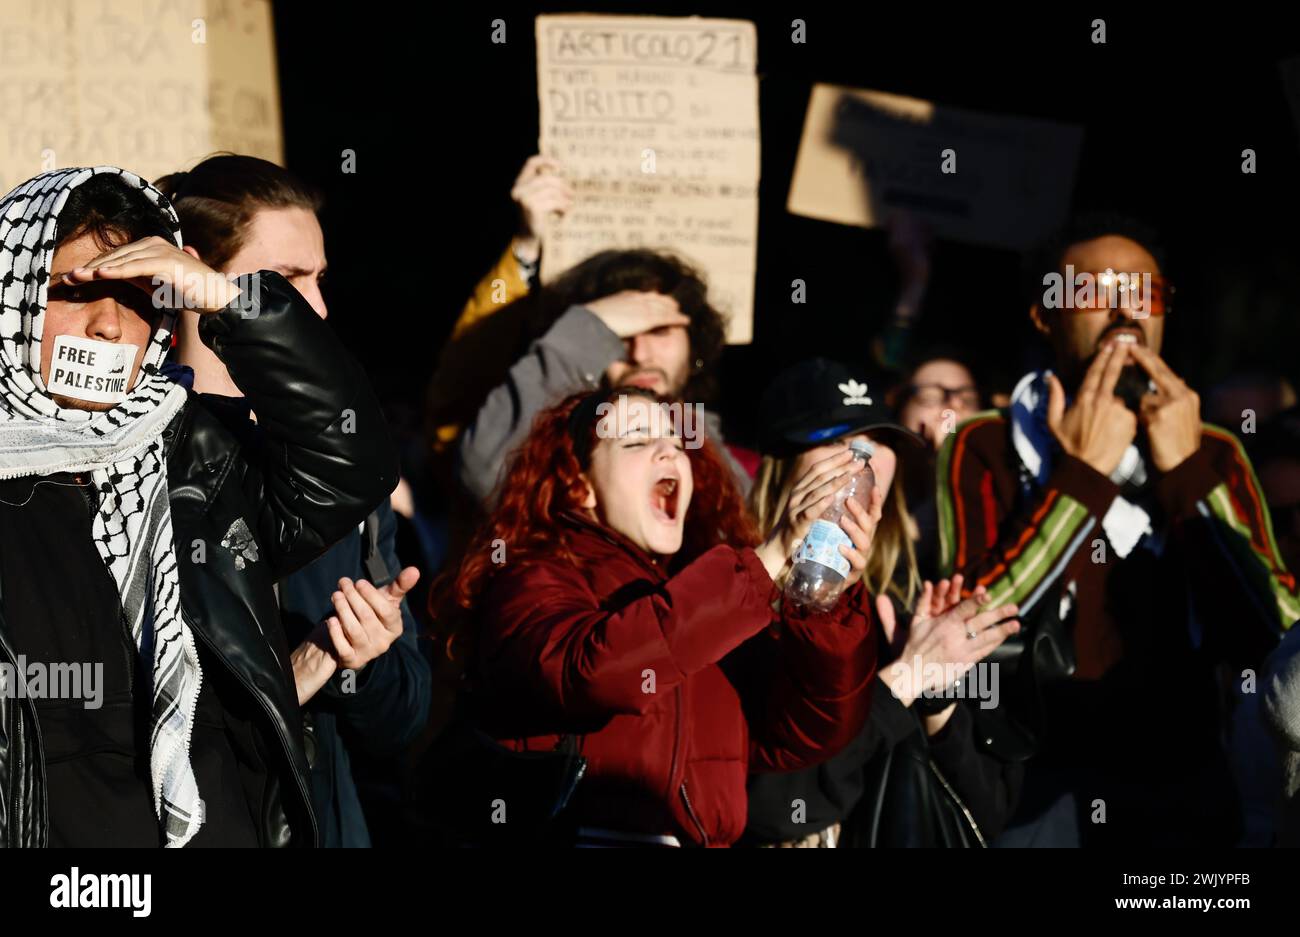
(86, 369)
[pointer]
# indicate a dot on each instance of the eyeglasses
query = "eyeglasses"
(936, 395)
(1143, 294)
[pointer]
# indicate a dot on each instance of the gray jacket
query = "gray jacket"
(572, 356)
(1280, 705)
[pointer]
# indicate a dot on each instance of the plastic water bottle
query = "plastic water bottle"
(819, 567)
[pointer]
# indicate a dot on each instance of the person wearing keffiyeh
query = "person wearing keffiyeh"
(137, 536)
(1100, 498)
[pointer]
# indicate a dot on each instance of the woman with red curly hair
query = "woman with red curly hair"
(630, 571)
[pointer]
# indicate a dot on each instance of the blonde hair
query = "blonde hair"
(891, 547)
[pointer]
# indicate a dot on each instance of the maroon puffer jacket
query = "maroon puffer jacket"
(615, 651)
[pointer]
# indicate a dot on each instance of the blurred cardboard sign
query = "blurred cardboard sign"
(865, 154)
(152, 86)
(655, 121)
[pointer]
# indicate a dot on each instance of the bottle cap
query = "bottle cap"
(861, 445)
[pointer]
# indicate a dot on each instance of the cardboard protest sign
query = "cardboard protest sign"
(655, 121)
(147, 85)
(974, 177)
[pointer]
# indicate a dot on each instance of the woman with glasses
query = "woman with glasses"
(937, 394)
(934, 397)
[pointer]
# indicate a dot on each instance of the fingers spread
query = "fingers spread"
(965, 610)
(925, 603)
(940, 596)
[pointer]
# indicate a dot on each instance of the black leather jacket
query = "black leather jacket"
(324, 461)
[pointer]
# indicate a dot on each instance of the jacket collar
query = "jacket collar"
(582, 522)
(200, 452)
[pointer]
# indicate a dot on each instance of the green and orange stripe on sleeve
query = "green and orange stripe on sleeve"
(1022, 571)
(1237, 503)
(950, 501)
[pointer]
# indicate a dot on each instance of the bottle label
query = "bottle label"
(822, 546)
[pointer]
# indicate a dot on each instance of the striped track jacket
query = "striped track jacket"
(1018, 543)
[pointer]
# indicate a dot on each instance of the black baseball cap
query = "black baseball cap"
(818, 400)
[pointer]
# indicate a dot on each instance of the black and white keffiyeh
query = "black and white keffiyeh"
(122, 449)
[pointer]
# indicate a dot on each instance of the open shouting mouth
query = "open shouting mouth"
(1122, 335)
(663, 498)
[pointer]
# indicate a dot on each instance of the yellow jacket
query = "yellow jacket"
(476, 351)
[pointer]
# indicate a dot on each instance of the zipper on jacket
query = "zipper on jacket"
(677, 737)
(275, 724)
(14, 812)
(959, 802)
(676, 758)
(686, 799)
(17, 742)
(672, 770)
(45, 801)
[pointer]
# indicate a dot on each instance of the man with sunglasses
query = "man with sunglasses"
(1100, 500)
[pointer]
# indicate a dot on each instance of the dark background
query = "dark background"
(441, 120)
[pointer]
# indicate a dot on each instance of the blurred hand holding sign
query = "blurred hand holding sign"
(655, 121)
(866, 154)
(146, 85)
